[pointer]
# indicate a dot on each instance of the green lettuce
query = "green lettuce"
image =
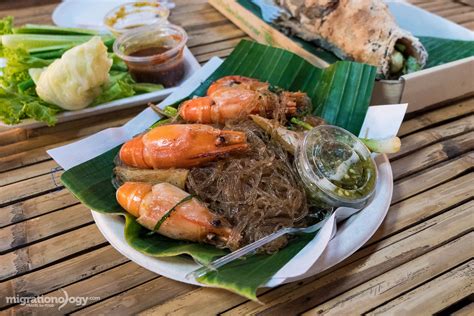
(17, 65)
(16, 106)
(37, 47)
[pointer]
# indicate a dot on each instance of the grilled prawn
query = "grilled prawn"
(180, 146)
(235, 97)
(188, 219)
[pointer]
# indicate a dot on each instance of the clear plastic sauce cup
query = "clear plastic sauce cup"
(154, 53)
(336, 168)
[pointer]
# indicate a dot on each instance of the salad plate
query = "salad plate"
(191, 66)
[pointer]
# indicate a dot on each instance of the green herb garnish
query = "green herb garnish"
(167, 214)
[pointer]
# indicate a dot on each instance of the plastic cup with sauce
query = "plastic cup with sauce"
(336, 168)
(154, 53)
(129, 16)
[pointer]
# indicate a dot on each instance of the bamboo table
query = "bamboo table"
(419, 261)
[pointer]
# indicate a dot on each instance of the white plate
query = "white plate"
(190, 64)
(351, 235)
(88, 14)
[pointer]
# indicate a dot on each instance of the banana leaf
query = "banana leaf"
(340, 94)
(440, 50)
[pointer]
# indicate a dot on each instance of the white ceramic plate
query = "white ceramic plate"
(190, 63)
(351, 235)
(88, 14)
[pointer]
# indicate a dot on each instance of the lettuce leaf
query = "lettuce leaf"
(17, 65)
(6, 25)
(16, 106)
(119, 87)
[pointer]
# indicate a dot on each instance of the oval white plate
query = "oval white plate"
(351, 235)
(87, 14)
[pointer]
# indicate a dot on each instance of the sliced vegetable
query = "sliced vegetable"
(51, 54)
(383, 146)
(25, 85)
(396, 63)
(411, 65)
(34, 42)
(52, 29)
(146, 87)
(118, 87)
(304, 125)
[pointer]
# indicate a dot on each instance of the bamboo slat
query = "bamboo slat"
(437, 116)
(108, 283)
(399, 280)
(299, 296)
(467, 310)
(433, 154)
(37, 255)
(436, 175)
(434, 295)
(29, 188)
(61, 274)
(463, 17)
(42, 227)
(28, 172)
(134, 300)
(36, 206)
(425, 205)
(430, 136)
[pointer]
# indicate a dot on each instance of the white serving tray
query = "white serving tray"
(191, 65)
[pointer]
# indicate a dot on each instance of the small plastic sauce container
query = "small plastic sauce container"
(133, 15)
(336, 168)
(154, 53)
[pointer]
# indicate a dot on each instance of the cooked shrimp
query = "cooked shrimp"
(235, 97)
(186, 219)
(240, 81)
(180, 146)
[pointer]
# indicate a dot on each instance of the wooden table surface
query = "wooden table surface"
(420, 259)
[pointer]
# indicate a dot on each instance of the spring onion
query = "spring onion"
(25, 85)
(383, 146)
(304, 125)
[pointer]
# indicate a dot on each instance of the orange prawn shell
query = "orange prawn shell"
(131, 194)
(233, 81)
(189, 220)
(226, 103)
(180, 146)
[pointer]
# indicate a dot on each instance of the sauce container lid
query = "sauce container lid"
(339, 164)
(132, 15)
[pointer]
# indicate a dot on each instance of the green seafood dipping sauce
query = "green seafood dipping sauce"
(336, 168)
